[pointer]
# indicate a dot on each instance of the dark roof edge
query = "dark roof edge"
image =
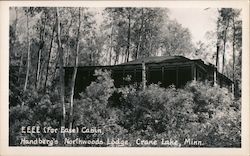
(210, 65)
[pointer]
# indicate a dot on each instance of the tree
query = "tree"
(111, 44)
(217, 53)
(41, 47)
(229, 31)
(75, 71)
(133, 32)
(118, 25)
(75, 39)
(139, 37)
(238, 58)
(236, 45)
(228, 28)
(28, 51)
(61, 71)
(49, 56)
(13, 40)
(176, 40)
(224, 21)
(128, 38)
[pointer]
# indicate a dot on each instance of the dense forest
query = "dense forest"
(43, 40)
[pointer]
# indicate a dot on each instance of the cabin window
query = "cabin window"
(170, 77)
(155, 75)
(91, 75)
(184, 75)
(199, 75)
(128, 77)
(117, 76)
(138, 75)
(82, 81)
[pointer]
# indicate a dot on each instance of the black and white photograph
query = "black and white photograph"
(125, 76)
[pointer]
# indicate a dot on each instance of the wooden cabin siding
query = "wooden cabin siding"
(166, 72)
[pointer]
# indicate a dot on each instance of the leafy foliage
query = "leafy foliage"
(198, 110)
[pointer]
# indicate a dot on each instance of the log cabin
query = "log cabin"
(163, 70)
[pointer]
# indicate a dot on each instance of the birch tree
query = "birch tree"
(28, 51)
(72, 87)
(61, 70)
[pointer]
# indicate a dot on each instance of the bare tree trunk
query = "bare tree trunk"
(20, 66)
(55, 69)
(74, 73)
(15, 31)
(143, 76)
(140, 36)
(217, 55)
(67, 43)
(111, 44)
(21, 61)
(38, 72)
(90, 59)
(217, 59)
(216, 64)
(150, 45)
(233, 86)
(123, 57)
(42, 36)
(128, 40)
(38, 68)
(96, 60)
(50, 51)
(28, 58)
(224, 46)
(61, 70)
(117, 55)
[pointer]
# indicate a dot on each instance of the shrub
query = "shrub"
(92, 109)
(198, 111)
(36, 110)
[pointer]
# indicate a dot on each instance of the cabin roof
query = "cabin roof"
(156, 59)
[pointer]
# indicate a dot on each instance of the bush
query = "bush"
(36, 110)
(92, 110)
(198, 111)
(219, 116)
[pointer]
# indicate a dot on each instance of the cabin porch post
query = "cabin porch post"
(194, 72)
(162, 76)
(215, 76)
(143, 75)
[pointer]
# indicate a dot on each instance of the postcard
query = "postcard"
(124, 77)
